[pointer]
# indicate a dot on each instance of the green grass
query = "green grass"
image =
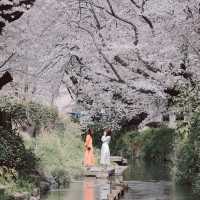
(60, 153)
(11, 186)
(58, 147)
(60, 150)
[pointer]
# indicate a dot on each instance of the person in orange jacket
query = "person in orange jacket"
(88, 146)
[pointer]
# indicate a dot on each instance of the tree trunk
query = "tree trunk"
(5, 118)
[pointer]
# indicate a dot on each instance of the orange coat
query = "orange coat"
(88, 154)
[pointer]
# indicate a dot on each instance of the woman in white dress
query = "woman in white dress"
(105, 151)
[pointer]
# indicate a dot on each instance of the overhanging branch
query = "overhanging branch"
(6, 61)
(103, 55)
(112, 13)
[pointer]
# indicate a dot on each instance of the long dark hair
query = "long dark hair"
(89, 132)
(108, 132)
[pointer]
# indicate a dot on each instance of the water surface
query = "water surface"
(152, 181)
(147, 181)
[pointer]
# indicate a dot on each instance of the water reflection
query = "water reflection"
(95, 189)
(146, 171)
(147, 181)
(152, 181)
(74, 192)
(103, 187)
(88, 189)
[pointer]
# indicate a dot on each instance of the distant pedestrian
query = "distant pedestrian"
(105, 151)
(88, 146)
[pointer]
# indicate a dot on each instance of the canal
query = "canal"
(147, 181)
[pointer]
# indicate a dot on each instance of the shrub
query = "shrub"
(154, 144)
(158, 144)
(13, 153)
(188, 155)
(122, 143)
(28, 113)
(186, 164)
(61, 177)
(59, 152)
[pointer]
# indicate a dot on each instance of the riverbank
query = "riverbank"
(60, 151)
(60, 160)
(39, 150)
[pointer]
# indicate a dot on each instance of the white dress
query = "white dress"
(105, 151)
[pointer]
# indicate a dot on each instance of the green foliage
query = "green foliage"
(153, 144)
(186, 165)
(123, 142)
(22, 112)
(41, 114)
(22, 184)
(188, 155)
(62, 177)
(59, 152)
(158, 144)
(196, 184)
(13, 153)
(187, 100)
(187, 159)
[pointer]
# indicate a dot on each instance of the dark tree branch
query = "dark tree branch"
(112, 13)
(147, 20)
(52, 63)
(147, 64)
(6, 78)
(6, 61)
(111, 66)
(68, 89)
(143, 4)
(135, 4)
(98, 25)
(103, 55)
(106, 76)
(120, 61)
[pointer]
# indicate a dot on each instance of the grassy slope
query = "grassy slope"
(61, 149)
